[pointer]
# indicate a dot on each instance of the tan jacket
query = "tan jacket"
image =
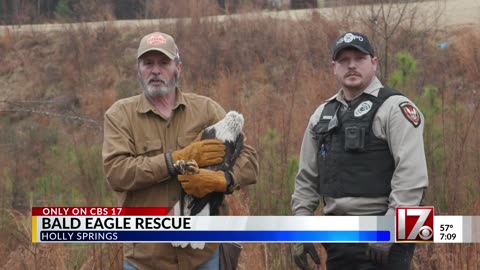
(135, 137)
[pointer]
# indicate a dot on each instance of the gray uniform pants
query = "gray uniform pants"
(348, 256)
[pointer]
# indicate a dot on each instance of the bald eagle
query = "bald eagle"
(229, 131)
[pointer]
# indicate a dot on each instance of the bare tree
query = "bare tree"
(383, 20)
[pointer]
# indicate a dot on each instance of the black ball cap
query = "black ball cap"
(352, 40)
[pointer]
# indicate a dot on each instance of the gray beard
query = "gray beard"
(154, 92)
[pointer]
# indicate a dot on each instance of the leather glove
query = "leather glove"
(300, 251)
(378, 252)
(205, 153)
(204, 182)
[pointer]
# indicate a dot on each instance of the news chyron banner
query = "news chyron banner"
(419, 224)
(153, 224)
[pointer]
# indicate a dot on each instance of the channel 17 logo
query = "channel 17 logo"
(414, 224)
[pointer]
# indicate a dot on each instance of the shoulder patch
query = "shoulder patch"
(409, 111)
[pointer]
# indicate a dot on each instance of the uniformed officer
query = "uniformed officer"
(363, 154)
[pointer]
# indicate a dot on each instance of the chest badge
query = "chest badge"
(363, 108)
(412, 115)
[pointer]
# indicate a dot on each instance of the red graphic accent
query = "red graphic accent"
(412, 115)
(156, 40)
(100, 211)
(414, 224)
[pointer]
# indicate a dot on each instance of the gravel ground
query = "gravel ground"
(455, 13)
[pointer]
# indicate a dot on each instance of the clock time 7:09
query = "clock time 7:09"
(447, 236)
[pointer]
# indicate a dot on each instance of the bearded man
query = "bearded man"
(145, 135)
(362, 155)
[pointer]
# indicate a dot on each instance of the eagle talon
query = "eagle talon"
(188, 167)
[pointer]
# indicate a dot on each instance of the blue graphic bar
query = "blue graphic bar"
(215, 236)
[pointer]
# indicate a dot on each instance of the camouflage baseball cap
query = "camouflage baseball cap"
(355, 40)
(158, 42)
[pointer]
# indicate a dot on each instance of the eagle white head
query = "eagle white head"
(227, 129)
